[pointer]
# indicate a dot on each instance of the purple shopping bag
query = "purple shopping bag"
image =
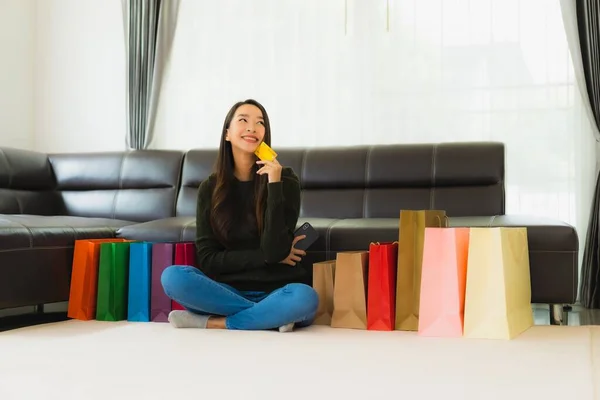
(160, 304)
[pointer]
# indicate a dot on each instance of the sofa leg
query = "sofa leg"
(39, 309)
(558, 314)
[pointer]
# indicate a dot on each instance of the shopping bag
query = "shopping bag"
(83, 294)
(443, 280)
(140, 271)
(185, 254)
(113, 274)
(381, 299)
(498, 293)
(410, 257)
(323, 283)
(160, 303)
(350, 290)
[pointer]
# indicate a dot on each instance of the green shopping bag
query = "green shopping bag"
(113, 273)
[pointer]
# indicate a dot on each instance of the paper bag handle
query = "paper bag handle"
(378, 243)
(440, 220)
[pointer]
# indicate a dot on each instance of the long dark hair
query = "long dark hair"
(221, 214)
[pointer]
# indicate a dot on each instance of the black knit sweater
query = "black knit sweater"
(252, 261)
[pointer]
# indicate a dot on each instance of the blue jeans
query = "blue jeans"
(295, 302)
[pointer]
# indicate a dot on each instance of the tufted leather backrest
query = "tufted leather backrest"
(377, 181)
(133, 186)
(352, 182)
(26, 183)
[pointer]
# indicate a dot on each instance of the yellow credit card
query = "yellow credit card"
(264, 152)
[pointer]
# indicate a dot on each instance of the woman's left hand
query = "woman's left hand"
(272, 168)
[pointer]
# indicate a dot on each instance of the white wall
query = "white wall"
(17, 48)
(80, 76)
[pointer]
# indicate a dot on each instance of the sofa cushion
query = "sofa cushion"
(357, 233)
(27, 183)
(36, 255)
(178, 229)
(132, 185)
(174, 229)
(544, 234)
(197, 166)
(31, 231)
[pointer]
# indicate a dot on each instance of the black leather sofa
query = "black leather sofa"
(351, 195)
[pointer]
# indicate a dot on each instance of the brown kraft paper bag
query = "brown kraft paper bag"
(410, 259)
(350, 290)
(323, 283)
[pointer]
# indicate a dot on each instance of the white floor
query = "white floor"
(104, 360)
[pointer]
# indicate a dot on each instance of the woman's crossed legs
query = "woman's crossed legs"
(231, 309)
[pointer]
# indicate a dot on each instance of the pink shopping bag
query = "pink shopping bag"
(443, 282)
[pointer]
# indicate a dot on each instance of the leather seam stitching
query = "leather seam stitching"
(574, 293)
(10, 182)
(114, 208)
(24, 227)
(302, 166)
(35, 248)
(328, 239)
(181, 234)
(366, 185)
(433, 173)
(180, 185)
(9, 169)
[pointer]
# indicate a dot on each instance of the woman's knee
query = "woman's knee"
(174, 277)
(304, 296)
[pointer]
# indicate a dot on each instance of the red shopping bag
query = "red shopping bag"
(185, 254)
(381, 298)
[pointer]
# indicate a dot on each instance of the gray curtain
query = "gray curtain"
(149, 31)
(588, 28)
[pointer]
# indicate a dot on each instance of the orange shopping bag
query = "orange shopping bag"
(443, 282)
(84, 278)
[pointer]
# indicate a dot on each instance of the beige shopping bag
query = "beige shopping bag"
(410, 259)
(323, 279)
(350, 290)
(498, 292)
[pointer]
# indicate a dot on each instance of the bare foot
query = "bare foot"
(216, 323)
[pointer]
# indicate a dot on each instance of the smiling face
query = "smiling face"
(247, 129)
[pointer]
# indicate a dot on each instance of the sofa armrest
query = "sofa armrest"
(27, 183)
